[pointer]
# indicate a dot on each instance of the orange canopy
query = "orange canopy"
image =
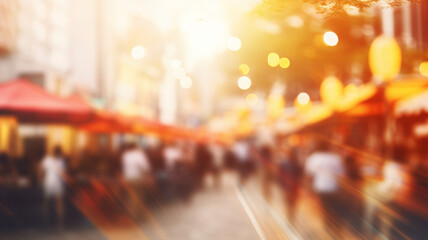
(106, 122)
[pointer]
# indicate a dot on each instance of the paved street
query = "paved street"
(211, 214)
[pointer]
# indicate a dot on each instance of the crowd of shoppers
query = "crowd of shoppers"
(353, 196)
(136, 177)
(131, 181)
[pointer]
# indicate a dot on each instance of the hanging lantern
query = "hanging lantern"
(385, 58)
(331, 91)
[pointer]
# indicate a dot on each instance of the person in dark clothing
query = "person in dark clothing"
(6, 166)
(230, 159)
(203, 163)
(157, 161)
(217, 152)
(355, 201)
(155, 154)
(290, 176)
(266, 158)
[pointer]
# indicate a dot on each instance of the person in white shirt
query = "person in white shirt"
(135, 164)
(135, 171)
(389, 194)
(172, 154)
(241, 149)
(327, 169)
(53, 168)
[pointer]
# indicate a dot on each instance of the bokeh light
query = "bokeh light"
(331, 91)
(138, 52)
(186, 82)
(244, 82)
(234, 44)
(331, 38)
(295, 21)
(244, 69)
(284, 62)
(303, 98)
(273, 59)
(423, 68)
(252, 99)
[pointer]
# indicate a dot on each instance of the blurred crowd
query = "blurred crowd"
(50, 190)
(356, 194)
(366, 200)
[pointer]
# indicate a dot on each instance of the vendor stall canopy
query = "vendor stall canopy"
(30, 103)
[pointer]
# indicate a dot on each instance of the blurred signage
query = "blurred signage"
(31, 130)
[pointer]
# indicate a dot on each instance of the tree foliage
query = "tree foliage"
(311, 59)
(327, 7)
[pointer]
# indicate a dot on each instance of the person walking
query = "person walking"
(203, 162)
(217, 152)
(241, 150)
(265, 156)
(290, 175)
(53, 170)
(136, 169)
(326, 169)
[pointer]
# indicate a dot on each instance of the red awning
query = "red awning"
(30, 103)
(77, 102)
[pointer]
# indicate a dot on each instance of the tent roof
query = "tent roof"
(31, 103)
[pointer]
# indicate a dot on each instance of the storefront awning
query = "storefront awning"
(412, 106)
(30, 103)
